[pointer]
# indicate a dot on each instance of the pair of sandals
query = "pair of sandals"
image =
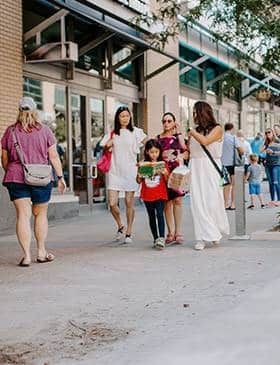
(40, 260)
(230, 208)
(177, 238)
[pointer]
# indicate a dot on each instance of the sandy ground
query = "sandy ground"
(100, 303)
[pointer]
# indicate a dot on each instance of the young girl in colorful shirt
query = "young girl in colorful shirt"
(154, 193)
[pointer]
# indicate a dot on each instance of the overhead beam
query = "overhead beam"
(95, 42)
(217, 78)
(130, 58)
(45, 24)
(159, 70)
(195, 63)
(255, 86)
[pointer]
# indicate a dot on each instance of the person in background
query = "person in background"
(272, 166)
(277, 130)
(125, 142)
(38, 146)
(230, 143)
(256, 145)
(254, 177)
(173, 146)
(246, 147)
(154, 193)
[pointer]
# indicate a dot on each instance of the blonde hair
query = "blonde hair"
(29, 119)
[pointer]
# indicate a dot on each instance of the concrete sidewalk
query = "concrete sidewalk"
(101, 303)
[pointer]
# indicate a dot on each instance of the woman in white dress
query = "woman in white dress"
(207, 201)
(125, 142)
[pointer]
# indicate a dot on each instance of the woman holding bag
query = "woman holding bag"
(124, 143)
(173, 147)
(207, 202)
(28, 141)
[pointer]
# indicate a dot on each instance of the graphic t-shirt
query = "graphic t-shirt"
(154, 188)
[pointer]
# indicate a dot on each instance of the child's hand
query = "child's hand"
(164, 171)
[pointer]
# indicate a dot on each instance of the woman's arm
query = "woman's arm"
(263, 148)
(4, 159)
(215, 135)
(56, 163)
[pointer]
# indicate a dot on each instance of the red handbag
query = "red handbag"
(104, 163)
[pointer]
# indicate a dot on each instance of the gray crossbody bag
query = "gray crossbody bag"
(34, 174)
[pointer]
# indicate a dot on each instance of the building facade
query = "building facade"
(80, 60)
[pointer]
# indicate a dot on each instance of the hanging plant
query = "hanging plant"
(263, 95)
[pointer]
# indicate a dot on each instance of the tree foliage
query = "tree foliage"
(251, 25)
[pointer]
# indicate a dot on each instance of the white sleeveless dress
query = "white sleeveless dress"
(207, 201)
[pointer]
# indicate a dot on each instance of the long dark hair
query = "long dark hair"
(268, 140)
(117, 124)
(149, 145)
(204, 117)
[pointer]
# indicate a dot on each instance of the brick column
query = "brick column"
(10, 60)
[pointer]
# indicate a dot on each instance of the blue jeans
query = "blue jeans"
(156, 217)
(273, 177)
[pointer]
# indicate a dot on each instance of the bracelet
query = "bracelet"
(59, 177)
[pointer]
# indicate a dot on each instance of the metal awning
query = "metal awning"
(263, 82)
(115, 26)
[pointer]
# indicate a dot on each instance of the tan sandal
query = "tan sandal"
(48, 258)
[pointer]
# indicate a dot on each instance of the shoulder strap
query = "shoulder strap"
(212, 160)
(17, 147)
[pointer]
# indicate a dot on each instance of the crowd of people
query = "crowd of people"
(208, 149)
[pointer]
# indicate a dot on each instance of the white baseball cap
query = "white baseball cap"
(27, 103)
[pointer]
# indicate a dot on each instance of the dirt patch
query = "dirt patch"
(72, 340)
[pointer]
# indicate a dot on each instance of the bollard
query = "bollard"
(240, 209)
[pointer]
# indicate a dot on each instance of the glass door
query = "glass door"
(97, 129)
(79, 147)
(87, 132)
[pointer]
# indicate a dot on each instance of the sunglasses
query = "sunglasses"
(268, 132)
(167, 121)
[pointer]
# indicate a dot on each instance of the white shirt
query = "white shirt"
(123, 170)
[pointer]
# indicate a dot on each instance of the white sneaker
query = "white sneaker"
(120, 233)
(160, 243)
(128, 239)
(199, 246)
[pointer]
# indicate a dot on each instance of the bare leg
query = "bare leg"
(113, 197)
(178, 214)
(227, 189)
(23, 228)
(261, 199)
(129, 204)
(40, 227)
(168, 212)
(232, 191)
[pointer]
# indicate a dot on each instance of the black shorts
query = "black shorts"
(230, 170)
(37, 194)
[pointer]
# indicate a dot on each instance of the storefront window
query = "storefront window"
(51, 103)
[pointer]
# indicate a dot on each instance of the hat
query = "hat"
(27, 103)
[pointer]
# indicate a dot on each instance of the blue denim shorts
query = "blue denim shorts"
(37, 194)
(254, 189)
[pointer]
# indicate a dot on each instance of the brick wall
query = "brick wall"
(10, 60)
